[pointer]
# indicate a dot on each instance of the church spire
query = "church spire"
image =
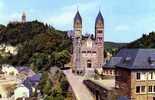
(78, 17)
(99, 19)
(77, 24)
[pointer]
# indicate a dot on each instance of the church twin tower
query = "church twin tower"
(88, 52)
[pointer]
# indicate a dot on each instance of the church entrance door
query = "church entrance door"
(89, 65)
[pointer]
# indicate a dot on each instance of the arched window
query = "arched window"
(89, 65)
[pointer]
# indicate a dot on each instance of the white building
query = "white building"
(9, 49)
(9, 70)
(21, 92)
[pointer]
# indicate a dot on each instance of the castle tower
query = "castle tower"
(23, 17)
(99, 36)
(77, 41)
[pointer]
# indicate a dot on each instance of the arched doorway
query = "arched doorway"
(89, 65)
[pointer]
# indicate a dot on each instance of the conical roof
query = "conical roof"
(78, 17)
(99, 18)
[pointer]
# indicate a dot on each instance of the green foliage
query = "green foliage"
(45, 84)
(54, 87)
(146, 41)
(39, 45)
(112, 47)
(64, 85)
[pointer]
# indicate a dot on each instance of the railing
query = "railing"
(99, 92)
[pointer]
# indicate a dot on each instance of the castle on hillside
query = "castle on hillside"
(88, 51)
(23, 19)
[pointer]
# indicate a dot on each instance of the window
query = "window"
(151, 75)
(99, 31)
(99, 39)
(137, 89)
(89, 64)
(88, 51)
(83, 51)
(94, 52)
(106, 71)
(138, 76)
(143, 76)
(150, 89)
(110, 71)
(142, 88)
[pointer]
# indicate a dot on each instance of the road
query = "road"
(80, 90)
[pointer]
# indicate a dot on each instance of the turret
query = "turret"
(23, 17)
(77, 24)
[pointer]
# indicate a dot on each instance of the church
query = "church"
(88, 51)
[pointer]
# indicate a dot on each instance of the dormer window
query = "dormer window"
(151, 60)
(127, 59)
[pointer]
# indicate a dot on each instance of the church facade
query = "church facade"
(88, 51)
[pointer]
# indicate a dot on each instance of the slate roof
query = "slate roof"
(23, 68)
(78, 17)
(30, 82)
(35, 78)
(122, 98)
(99, 17)
(136, 58)
(26, 70)
(113, 61)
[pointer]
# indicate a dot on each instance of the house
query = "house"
(136, 74)
(109, 66)
(32, 82)
(21, 92)
(26, 71)
(9, 70)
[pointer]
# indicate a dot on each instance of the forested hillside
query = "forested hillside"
(112, 47)
(39, 46)
(146, 41)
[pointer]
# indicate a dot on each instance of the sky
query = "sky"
(125, 20)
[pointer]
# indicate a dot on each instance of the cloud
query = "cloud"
(67, 13)
(121, 28)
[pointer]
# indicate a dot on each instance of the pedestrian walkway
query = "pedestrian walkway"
(80, 90)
